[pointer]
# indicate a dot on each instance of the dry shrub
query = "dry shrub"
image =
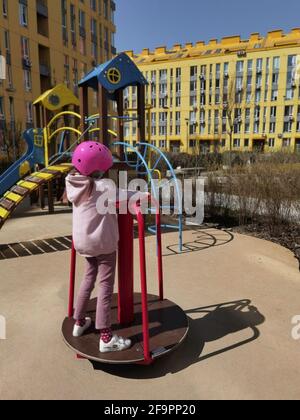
(267, 192)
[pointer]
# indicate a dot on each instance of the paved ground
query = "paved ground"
(240, 294)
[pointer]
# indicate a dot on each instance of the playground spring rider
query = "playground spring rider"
(155, 325)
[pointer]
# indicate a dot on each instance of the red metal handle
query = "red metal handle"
(72, 282)
(159, 256)
(143, 271)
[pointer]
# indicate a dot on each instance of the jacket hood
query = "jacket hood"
(79, 188)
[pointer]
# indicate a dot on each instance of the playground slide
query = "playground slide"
(14, 173)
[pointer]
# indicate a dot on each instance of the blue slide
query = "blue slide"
(12, 175)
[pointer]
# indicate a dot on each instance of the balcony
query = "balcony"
(42, 8)
(45, 70)
(42, 18)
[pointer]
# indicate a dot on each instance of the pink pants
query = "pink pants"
(103, 267)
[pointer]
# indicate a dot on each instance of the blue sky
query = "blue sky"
(150, 23)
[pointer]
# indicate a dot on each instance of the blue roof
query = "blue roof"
(129, 74)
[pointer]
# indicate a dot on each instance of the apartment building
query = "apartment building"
(231, 94)
(47, 42)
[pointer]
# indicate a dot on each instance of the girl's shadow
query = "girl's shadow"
(213, 323)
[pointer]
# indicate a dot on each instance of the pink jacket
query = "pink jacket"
(94, 234)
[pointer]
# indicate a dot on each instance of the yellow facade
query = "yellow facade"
(48, 42)
(229, 94)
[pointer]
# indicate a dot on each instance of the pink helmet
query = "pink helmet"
(90, 157)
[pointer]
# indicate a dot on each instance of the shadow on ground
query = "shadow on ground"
(204, 238)
(207, 324)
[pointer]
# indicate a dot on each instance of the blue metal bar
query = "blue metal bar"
(141, 162)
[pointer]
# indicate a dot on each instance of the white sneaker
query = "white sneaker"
(116, 344)
(79, 331)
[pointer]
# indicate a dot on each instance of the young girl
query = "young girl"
(96, 238)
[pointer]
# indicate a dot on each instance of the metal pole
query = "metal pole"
(159, 255)
(141, 225)
(72, 282)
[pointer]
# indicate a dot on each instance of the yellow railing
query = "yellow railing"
(62, 114)
(73, 130)
(48, 137)
(94, 130)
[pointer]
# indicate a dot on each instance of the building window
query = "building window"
(2, 111)
(29, 112)
(288, 119)
(5, 8)
(286, 143)
(12, 109)
(25, 48)
(192, 144)
(94, 37)
(272, 127)
(66, 70)
(105, 9)
(163, 144)
(112, 11)
(93, 5)
(23, 12)
(236, 143)
(82, 32)
(287, 127)
(27, 80)
(271, 143)
(10, 77)
(298, 119)
(73, 24)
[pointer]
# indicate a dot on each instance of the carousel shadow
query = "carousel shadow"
(204, 239)
(209, 324)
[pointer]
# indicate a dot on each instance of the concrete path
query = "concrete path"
(240, 293)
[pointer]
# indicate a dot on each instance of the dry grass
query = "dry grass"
(264, 192)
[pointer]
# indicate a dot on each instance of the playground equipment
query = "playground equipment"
(141, 167)
(37, 153)
(17, 194)
(110, 79)
(21, 167)
(155, 325)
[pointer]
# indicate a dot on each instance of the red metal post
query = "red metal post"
(159, 256)
(72, 282)
(126, 271)
(143, 270)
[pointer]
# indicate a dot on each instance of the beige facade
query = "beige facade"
(47, 42)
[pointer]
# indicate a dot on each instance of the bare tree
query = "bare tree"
(12, 143)
(233, 99)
